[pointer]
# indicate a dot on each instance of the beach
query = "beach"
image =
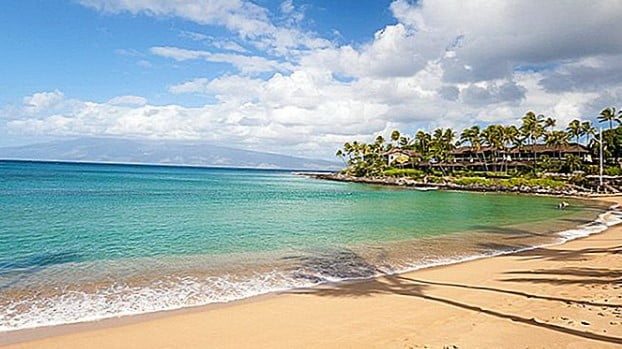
(564, 296)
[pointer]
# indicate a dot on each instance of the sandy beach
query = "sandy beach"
(565, 296)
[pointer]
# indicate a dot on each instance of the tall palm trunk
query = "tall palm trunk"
(485, 162)
(533, 149)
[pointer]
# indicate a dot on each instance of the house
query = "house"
(472, 154)
(487, 158)
(402, 157)
(527, 152)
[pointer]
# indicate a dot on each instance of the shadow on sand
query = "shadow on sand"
(347, 262)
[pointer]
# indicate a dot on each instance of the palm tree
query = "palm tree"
(549, 123)
(395, 136)
(404, 142)
(422, 142)
(340, 154)
(493, 137)
(509, 138)
(573, 162)
(587, 130)
(608, 114)
(575, 129)
(557, 140)
(474, 138)
(441, 146)
(532, 129)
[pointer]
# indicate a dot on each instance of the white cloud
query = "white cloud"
(496, 36)
(193, 35)
(192, 86)
(393, 52)
(287, 6)
(444, 63)
(128, 100)
(42, 100)
(249, 21)
(223, 44)
(244, 63)
(492, 93)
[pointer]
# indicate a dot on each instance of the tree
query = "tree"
(395, 136)
(587, 130)
(422, 142)
(404, 142)
(573, 163)
(575, 129)
(510, 138)
(532, 129)
(441, 145)
(474, 138)
(549, 123)
(612, 144)
(556, 140)
(492, 136)
(608, 114)
(340, 154)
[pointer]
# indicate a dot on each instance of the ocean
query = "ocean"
(82, 242)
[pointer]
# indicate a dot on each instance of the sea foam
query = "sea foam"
(122, 300)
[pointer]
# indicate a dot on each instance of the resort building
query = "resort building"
(402, 157)
(488, 158)
(558, 153)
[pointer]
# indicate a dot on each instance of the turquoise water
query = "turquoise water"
(85, 241)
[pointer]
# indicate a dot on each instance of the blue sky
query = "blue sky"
(295, 76)
(61, 45)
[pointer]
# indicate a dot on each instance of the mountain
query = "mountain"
(159, 152)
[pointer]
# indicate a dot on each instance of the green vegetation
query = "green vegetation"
(510, 182)
(404, 172)
(432, 156)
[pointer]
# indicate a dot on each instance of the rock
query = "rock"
(585, 323)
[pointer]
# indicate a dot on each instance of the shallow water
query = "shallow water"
(85, 241)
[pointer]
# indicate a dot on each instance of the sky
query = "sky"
(299, 77)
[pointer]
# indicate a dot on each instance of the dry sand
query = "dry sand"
(566, 296)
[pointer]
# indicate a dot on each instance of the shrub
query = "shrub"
(613, 171)
(531, 182)
(592, 169)
(511, 182)
(497, 175)
(404, 172)
(435, 179)
(577, 178)
(473, 181)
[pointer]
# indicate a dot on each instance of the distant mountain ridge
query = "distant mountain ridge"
(159, 152)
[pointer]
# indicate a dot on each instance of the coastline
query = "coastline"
(381, 292)
(406, 182)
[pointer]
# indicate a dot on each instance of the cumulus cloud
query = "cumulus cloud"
(442, 64)
(393, 52)
(42, 100)
(590, 74)
(493, 93)
(495, 36)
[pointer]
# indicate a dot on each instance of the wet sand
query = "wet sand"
(565, 296)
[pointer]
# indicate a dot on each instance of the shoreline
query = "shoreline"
(34, 335)
(411, 183)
